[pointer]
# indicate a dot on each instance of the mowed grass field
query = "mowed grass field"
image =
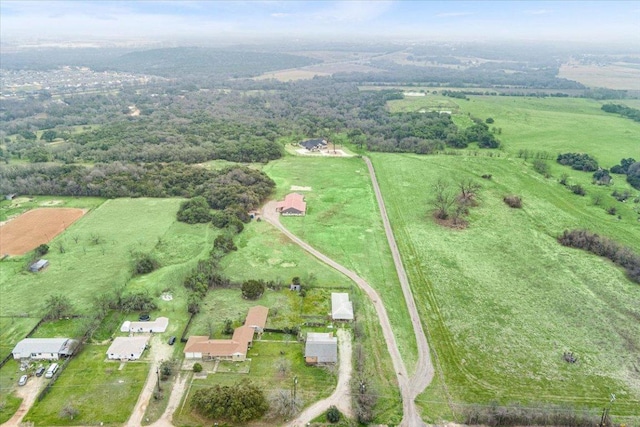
(556, 125)
(100, 391)
(502, 300)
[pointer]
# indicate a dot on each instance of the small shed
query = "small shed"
(127, 348)
(341, 307)
(320, 348)
(39, 265)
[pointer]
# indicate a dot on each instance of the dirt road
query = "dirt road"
(423, 374)
(160, 351)
(410, 414)
(341, 397)
(28, 393)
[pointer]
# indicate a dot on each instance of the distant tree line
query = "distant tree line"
(604, 247)
(623, 110)
(235, 187)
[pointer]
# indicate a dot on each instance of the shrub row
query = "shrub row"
(604, 247)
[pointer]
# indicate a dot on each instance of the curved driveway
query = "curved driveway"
(411, 417)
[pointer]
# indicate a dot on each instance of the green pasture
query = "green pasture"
(100, 391)
(314, 383)
(548, 124)
(502, 300)
(344, 223)
(97, 254)
(12, 330)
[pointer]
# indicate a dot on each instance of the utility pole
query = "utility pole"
(605, 412)
(158, 374)
(295, 384)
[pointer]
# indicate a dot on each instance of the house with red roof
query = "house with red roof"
(293, 204)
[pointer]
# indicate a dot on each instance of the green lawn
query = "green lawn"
(344, 223)
(549, 124)
(98, 389)
(313, 383)
(502, 300)
(85, 268)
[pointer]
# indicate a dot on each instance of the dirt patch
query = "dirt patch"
(51, 203)
(34, 228)
(456, 224)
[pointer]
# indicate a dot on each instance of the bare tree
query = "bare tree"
(283, 366)
(443, 199)
(468, 191)
(69, 411)
(283, 403)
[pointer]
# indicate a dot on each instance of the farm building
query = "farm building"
(321, 348)
(44, 348)
(39, 265)
(314, 144)
(293, 204)
(341, 307)
(201, 347)
(127, 348)
(157, 326)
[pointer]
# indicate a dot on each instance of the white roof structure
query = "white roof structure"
(158, 326)
(127, 347)
(29, 346)
(321, 348)
(341, 307)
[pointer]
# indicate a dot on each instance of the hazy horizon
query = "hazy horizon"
(593, 22)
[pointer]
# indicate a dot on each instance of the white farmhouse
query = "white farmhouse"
(44, 348)
(127, 348)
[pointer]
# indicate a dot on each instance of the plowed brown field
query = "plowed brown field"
(35, 227)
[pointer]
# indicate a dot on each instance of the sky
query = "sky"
(436, 20)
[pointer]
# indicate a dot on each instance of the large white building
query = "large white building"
(156, 326)
(44, 348)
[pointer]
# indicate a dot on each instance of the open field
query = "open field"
(502, 300)
(35, 227)
(619, 75)
(100, 391)
(343, 222)
(549, 124)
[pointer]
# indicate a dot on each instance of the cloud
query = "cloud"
(353, 11)
(280, 15)
(538, 12)
(454, 14)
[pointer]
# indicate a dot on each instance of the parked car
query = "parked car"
(172, 340)
(52, 370)
(40, 371)
(23, 380)
(144, 317)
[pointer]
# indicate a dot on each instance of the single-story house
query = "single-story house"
(44, 348)
(257, 318)
(314, 144)
(39, 265)
(293, 204)
(341, 307)
(321, 348)
(157, 326)
(127, 348)
(202, 347)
